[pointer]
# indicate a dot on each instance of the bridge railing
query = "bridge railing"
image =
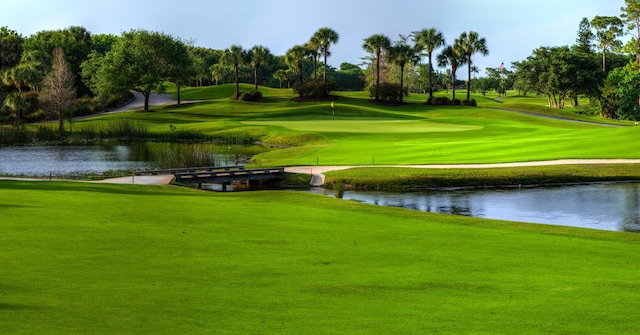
(188, 170)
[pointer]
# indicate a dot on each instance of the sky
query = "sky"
(512, 28)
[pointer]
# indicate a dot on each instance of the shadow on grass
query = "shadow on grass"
(57, 186)
(13, 307)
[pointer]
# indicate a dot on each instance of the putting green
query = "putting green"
(367, 126)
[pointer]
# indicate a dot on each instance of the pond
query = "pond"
(606, 206)
(95, 158)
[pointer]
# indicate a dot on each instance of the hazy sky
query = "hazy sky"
(512, 28)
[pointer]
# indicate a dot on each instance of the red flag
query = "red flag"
(501, 66)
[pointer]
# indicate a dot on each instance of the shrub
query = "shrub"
(438, 101)
(388, 92)
(251, 96)
(456, 102)
(314, 89)
(471, 102)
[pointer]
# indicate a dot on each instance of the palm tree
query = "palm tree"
(314, 47)
(376, 44)
(400, 54)
(429, 40)
(294, 58)
(326, 37)
(452, 56)
(259, 54)
(281, 75)
(235, 56)
(470, 43)
(218, 72)
(17, 103)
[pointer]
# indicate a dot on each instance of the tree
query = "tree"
(471, 43)
(608, 32)
(295, 57)
(259, 54)
(58, 94)
(452, 56)
(180, 68)
(10, 48)
(585, 37)
(219, 72)
(629, 93)
(140, 60)
(325, 37)
(17, 103)
(234, 57)
(314, 47)
(429, 40)
(375, 44)
(76, 43)
(631, 16)
(401, 54)
(281, 75)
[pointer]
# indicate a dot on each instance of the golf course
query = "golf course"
(89, 258)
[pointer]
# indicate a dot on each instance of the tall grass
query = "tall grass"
(118, 129)
(182, 156)
(14, 135)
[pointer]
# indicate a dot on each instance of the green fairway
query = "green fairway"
(365, 126)
(83, 258)
(356, 132)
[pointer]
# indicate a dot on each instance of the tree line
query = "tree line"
(57, 74)
(598, 67)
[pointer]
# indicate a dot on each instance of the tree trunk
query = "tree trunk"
(453, 84)
(315, 64)
(178, 88)
(324, 72)
(377, 73)
(469, 78)
(401, 81)
(61, 122)
(604, 60)
(430, 78)
(237, 85)
(146, 100)
(255, 75)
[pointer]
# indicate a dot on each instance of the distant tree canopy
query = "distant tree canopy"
(105, 65)
(140, 60)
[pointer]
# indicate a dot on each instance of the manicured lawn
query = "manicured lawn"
(82, 258)
(357, 132)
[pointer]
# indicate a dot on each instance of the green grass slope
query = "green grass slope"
(83, 258)
(356, 132)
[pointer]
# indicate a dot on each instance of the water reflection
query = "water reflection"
(598, 206)
(101, 157)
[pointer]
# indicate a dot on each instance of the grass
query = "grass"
(84, 258)
(412, 178)
(357, 132)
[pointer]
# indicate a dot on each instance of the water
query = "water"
(609, 206)
(597, 206)
(100, 157)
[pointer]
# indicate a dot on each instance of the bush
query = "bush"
(388, 92)
(438, 101)
(456, 102)
(251, 96)
(314, 89)
(471, 102)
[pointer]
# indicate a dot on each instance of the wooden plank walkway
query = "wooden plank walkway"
(188, 170)
(229, 176)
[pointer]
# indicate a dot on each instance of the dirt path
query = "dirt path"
(317, 172)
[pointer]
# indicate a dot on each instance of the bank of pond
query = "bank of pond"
(606, 206)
